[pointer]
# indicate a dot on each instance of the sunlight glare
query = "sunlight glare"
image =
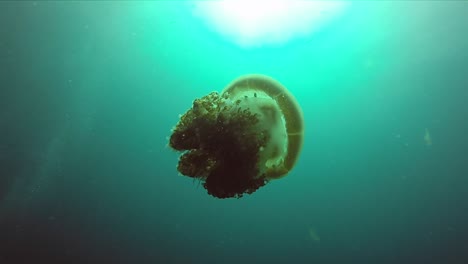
(253, 23)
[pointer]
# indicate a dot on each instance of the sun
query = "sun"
(255, 23)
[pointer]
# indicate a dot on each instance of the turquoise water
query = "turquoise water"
(90, 91)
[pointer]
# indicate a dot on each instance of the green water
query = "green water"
(90, 91)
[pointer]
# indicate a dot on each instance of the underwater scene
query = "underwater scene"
(234, 131)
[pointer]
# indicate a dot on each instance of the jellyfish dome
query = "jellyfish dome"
(238, 140)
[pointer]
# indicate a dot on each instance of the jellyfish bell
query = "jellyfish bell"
(237, 141)
(279, 113)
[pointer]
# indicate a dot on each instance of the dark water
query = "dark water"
(90, 90)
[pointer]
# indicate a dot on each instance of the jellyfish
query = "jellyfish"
(238, 140)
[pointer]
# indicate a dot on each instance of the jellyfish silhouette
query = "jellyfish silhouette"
(237, 141)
